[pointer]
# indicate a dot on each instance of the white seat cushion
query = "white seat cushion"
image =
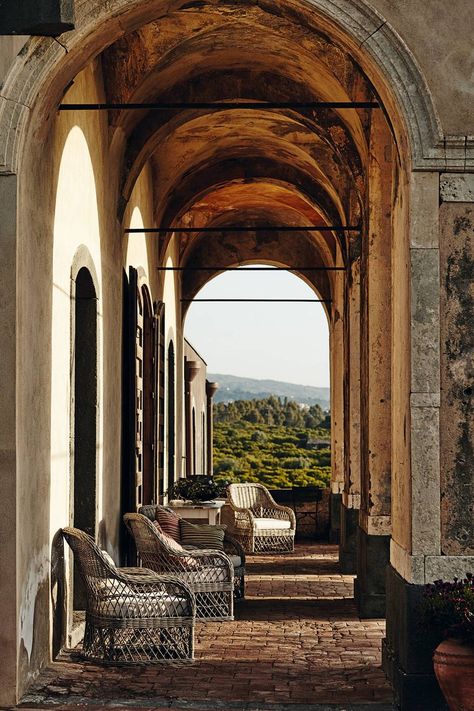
(264, 524)
(142, 605)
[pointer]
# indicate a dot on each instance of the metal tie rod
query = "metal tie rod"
(251, 269)
(280, 301)
(210, 105)
(258, 228)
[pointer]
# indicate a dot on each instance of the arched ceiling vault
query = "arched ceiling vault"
(259, 203)
(229, 166)
(341, 164)
(146, 64)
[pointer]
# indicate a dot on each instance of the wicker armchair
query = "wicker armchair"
(231, 546)
(258, 522)
(130, 618)
(209, 573)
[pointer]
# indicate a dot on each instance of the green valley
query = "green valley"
(272, 441)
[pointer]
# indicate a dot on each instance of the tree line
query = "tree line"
(273, 410)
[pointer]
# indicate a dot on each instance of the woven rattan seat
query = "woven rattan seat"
(209, 573)
(130, 618)
(231, 546)
(258, 522)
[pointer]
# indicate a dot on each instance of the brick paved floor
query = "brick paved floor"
(296, 642)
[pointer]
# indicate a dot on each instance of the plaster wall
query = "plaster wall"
(140, 249)
(199, 403)
(174, 332)
(66, 222)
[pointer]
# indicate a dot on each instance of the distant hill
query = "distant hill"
(233, 387)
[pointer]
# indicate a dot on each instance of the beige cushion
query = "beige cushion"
(264, 524)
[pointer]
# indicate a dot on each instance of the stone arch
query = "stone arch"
(35, 83)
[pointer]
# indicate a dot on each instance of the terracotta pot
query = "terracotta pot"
(454, 668)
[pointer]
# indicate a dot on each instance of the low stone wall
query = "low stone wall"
(312, 523)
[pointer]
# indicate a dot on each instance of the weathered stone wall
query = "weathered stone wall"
(457, 368)
(9, 48)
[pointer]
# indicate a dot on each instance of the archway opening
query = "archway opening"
(268, 427)
(85, 417)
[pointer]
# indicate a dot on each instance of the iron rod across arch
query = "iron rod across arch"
(251, 269)
(240, 228)
(210, 105)
(280, 301)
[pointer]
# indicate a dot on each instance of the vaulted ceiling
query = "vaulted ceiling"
(243, 166)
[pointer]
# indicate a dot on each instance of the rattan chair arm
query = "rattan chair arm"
(213, 556)
(240, 509)
(285, 509)
(246, 512)
(149, 579)
(239, 549)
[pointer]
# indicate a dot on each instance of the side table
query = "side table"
(211, 511)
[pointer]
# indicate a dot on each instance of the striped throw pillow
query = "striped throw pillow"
(181, 561)
(169, 523)
(202, 535)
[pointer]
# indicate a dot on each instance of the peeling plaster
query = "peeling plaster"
(38, 572)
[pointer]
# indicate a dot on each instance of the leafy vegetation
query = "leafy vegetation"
(273, 442)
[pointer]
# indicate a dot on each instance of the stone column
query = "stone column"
(351, 493)
(374, 526)
(8, 436)
(415, 545)
(336, 336)
(191, 368)
(211, 389)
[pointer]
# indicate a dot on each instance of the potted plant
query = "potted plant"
(448, 610)
(196, 489)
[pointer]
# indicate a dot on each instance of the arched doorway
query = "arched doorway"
(84, 453)
(171, 415)
(149, 394)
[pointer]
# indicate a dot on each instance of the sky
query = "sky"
(277, 341)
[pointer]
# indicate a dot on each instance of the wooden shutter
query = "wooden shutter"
(138, 414)
(159, 330)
